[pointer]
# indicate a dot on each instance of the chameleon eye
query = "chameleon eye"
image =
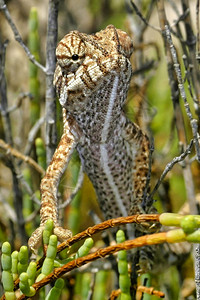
(75, 57)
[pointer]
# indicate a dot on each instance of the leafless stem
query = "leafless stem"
(32, 135)
(144, 20)
(193, 122)
(17, 193)
(170, 165)
(16, 153)
(75, 191)
(19, 100)
(17, 36)
(50, 110)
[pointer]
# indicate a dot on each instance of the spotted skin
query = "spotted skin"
(92, 79)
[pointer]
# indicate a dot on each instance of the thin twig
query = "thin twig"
(10, 213)
(197, 25)
(114, 294)
(16, 153)
(17, 192)
(17, 36)
(150, 291)
(50, 104)
(170, 165)
(75, 190)
(28, 189)
(193, 122)
(32, 135)
(19, 100)
(144, 20)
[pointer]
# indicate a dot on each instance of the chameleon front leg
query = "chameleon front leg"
(49, 185)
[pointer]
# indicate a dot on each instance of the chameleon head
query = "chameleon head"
(70, 52)
(84, 61)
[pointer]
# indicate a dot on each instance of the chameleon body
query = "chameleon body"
(92, 79)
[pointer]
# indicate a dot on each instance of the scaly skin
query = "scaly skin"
(92, 79)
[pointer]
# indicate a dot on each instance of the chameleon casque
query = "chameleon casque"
(92, 79)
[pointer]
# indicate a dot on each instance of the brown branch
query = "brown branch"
(152, 239)
(138, 219)
(19, 155)
(148, 290)
(114, 294)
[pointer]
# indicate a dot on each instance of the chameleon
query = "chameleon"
(92, 79)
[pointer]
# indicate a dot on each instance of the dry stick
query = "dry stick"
(3, 95)
(16, 153)
(152, 239)
(75, 190)
(50, 105)
(114, 294)
(194, 127)
(138, 12)
(17, 36)
(198, 36)
(191, 41)
(170, 165)
(150, 291)
(177, 110)
(32, 135)
(19, 100)
(29, 190)
(193, 122)
(17, 192)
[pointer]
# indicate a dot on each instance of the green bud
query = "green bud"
(14, 257)
(122, 255)
(40, 277)
(6, 262)
(6, 257)
(52, 247)
(85, 248)
(6, 248)
(24, 285)
(48, 230)
(124, 283)
(124, 296)
(120, 236)
(170, 219)
(23, 259)
(122, 267)
(31, 272)
(124, 279)
(188, 224)
(55, 292)
(175, 236)
(194, 237)
(7, 281)
(60, 283)
(48, 265)
(10, 295)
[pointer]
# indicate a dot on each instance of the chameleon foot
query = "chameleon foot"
(35, 240)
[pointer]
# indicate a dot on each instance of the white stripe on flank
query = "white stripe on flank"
(103, 150)
(112, 99)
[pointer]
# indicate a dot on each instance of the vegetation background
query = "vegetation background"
(154, 102)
